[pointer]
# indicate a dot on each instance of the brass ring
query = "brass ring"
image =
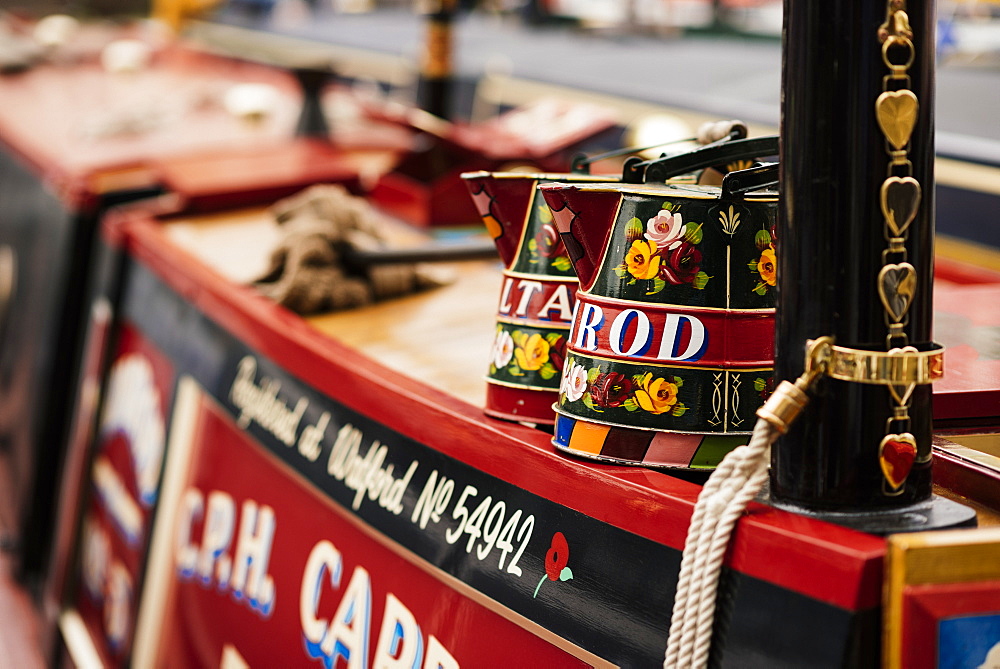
(897, 367)
(904, 42)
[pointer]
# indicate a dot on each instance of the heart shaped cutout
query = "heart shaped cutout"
(900, 199)
(897, 282)
(896, 112)
(896, 455)
(902, 393)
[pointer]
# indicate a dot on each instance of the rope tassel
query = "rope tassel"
(723, 499)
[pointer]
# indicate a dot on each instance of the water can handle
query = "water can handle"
(659, 170)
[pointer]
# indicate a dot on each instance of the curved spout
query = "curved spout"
(504, 204)
(585, 219)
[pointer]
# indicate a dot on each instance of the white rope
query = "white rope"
(736, 481)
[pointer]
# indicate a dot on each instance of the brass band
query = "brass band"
(897, 367)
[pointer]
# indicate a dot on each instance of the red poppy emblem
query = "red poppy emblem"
(556, 559)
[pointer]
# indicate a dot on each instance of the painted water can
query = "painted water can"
(671, 349)
(537, 295)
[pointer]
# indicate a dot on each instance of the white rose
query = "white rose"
(666, 229)
(575, 383)
(503, 349)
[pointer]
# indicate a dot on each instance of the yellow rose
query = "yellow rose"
(656, 395)
(767, 266)
(641, 261)
(531, 352)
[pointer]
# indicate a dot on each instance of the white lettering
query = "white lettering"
(246, 575)
(365, 474)
(528, 288)
(505, 304)
(192, 506)
(117, 500)
(433, 500)
(590, 322)
(260, 404)
(643, 332)
(347, 636)
(218, 532)
(323, 559)
(438, 656)
(559, 300)
(312, 437)
(253, 552)
(672, 327)
(400, 643)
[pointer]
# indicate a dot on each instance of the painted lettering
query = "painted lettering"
(641, 338)
(324, 560)
(133, 410)
(433, 500)
(672, 328)
(260, 403)
(253, 552)
(347, 636)
(438, 656)
(528, 288)
(191, 508)
(366, 474)
(400, 642)
(343, 639)
(590, 321)
(245, 574)
(220, 514)
(633, 333)
(505, 305)
(559, 300)
(312, 437)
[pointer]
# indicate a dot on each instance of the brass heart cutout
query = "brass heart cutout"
(902, 393)
(896, 285)
(900, 200)
(896, 112)
(896, 455)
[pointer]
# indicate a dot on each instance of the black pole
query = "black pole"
(434, 89)
(312, 121)
(831, 242)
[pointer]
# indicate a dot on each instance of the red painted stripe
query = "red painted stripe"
(678, 335)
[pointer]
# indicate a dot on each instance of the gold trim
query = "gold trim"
(932, 557)
(544, 278)
(518, 386)
(662, 306)
(535, 323)
(947, 556)
(557, 177)
(643, 363)
(897, 367)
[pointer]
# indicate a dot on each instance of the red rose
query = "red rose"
(610, 389)
(557, 353)
(557, 556)
(680, 264)
(547, 241)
